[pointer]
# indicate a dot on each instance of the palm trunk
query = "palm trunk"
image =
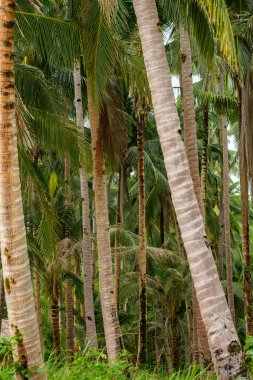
(221, 231)
(91, 333)
(244, 111)
(69, 315)
(37, 299)
(119, 221)
(1, 301)
(55, 320)
(165, 334)
(77, 305)
(109, 309)
(222, 336)
(191, 146)
(226, 208)
(204, 160)
(15, 262)
(142, 342)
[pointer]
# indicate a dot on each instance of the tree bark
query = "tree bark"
(15, 262)
(69, 315)
(245, 110)
(142, 341)
(119, 221)
(165, 334)
(226, 208)
(91, 333)
(204, 159)
(109, 310)
(55, 320)
(1, 301)
(37, 299)
(221, 231)
(222, 336)
(191, 146)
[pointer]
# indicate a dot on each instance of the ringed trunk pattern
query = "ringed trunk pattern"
(91, 333)
(226, 208)
(222, 336)
(191, 146)
(15, 262)
(109, 309)
(1, 301)
(142, 341)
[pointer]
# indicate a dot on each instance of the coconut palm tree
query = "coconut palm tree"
(184, 199)
(16, 271)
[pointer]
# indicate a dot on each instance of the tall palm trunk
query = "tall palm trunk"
(174, 342)
(165, 333)
(91, 333)
(191, 146)
(55, 321)
(119, 221)
(109, 309)
(69, 315)
(245, 110)
(221, 231)
(142, 341)
(15, 262)
(1, 301)
(222, 336)
(226, 208)
(37, 299)
(204, 159)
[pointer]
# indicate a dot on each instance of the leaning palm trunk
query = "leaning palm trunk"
(16, 269)
(91, 333)
(142, 341)
(226, 209)
(109, 309)
(222, 336)
(191, 146)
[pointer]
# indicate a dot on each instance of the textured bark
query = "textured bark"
(221, 231)
(222, 336)
(191, 146)
(37, 299)
(245, 110)
(226, 208)
(165, 334)
(69, 315)
(55, 320)
(109, 310)
(174, 343)
(142, 341)
(91, 333)
(119, 221)
(15, 262)
(204, 160)
(1, 301)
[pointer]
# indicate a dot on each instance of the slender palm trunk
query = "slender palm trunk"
(221, 230)
(165, 334)
(1, 301)
(69, 315)
(142, 342)
(109, 309)
(174, 343)
(37, 299)
(55, 320)
(119, 221)
(226, 208)
(222, 336)
(91, 333)
(245, 107)
(15, 262)
(191, 146)
(204, 159)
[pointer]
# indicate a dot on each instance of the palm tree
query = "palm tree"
(16, 271)
(202, 265)
(109, 309)
(225, 194)
(91, 334)
(1, 300)
(142, 343)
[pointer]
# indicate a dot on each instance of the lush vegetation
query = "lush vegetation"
(125, 209)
